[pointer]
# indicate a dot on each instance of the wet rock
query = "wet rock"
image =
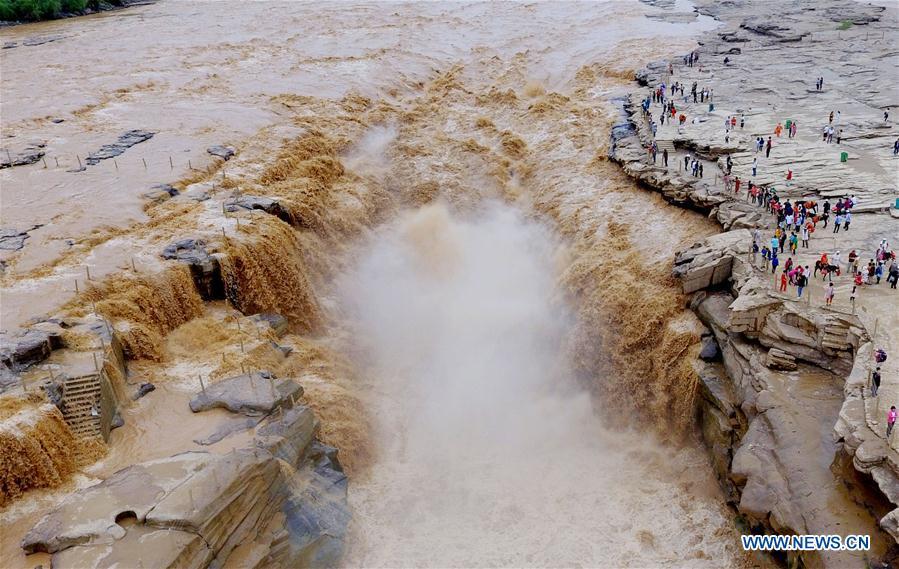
(28, 155)
(25, 349)
(228, 428)
(287, 434)
(277, 322)
(204, 267)
(14, 239)
(270, 206)
(124, 142)
(157, 548)
(223, 152)
(143, 390)
(160, 193)
(709, 351)
(250, 394)
(90, 514)
(41, 40)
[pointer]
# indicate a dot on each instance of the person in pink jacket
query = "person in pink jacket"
(891, 419)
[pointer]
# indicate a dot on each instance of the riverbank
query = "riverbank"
(797, 440)
(32, 11)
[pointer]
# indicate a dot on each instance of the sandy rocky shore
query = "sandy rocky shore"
(797, 441)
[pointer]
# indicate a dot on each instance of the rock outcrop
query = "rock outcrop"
(205, 268)
(124, 142)
(282, 500)
(254, 393)
(788, 371)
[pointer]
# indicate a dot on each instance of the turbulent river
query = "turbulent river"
(497, 291)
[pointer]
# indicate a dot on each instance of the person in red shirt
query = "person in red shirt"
(783, 281)
(737, 185)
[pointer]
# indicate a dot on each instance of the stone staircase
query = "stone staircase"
(82, 406)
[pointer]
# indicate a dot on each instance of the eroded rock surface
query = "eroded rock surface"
(249, 394)
(124, 142)
(283, 498)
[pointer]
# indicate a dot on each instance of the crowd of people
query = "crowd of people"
(797, 219)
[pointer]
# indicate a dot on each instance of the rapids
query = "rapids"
(480, 311)
(489, 453)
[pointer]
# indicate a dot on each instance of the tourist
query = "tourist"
(891, 419)
(778, 129)
(839, 136)
(743, 122)
(774, 263)
(896, 147)
(837, 221)
(880, 355)
(737, 185)
(830, 120)
(801, 282)
(828, 294)
(665, 157)
(875, 382)
(768, 148)
(886, 116)
(783, 280)
(755, 165)
(893, 275)
(846, 219)
(700, 175)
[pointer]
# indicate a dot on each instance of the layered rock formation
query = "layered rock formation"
(789, 371)
(279, 502)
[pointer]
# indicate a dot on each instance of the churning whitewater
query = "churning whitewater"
(488, 453)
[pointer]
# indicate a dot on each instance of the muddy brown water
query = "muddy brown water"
(199, 73)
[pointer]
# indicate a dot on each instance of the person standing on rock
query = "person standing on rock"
(830, 120)
(896, 147)
(839, 136)
(774, 262)
(778, 129)
(805, 235)
(891, 419)
(893, 276)
(755, 165)
(665, 157)
(700, 169)
(828, 294)
(846, 219)
(768, 148)
(875, 382)
(801, 282)
(837, 221)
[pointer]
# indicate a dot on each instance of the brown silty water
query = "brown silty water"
(446, 129)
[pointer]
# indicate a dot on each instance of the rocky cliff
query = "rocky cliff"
(783, 406)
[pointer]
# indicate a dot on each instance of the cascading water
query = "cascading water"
(488, 453)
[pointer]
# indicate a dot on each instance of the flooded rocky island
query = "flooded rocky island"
(435, 285)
